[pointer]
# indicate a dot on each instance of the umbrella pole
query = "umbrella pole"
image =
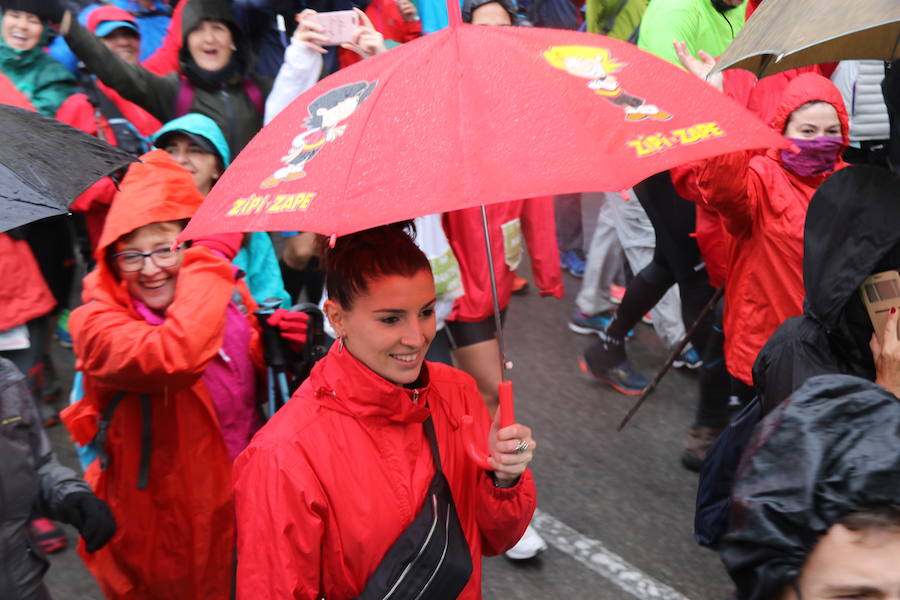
(493, 278)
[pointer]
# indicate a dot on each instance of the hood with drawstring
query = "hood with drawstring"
(851, 232)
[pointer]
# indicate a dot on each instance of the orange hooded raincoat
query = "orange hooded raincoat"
(175, 538)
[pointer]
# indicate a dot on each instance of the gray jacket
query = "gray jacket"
(30, 478)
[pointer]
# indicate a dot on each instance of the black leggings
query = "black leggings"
(676, 259)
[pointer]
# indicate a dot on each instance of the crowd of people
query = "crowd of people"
(362, 486)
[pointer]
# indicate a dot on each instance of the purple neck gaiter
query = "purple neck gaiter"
(816, 156)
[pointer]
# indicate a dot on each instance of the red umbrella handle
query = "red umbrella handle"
(507, 418)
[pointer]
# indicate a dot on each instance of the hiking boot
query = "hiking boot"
(607, 361)
(698, 441)
(529, 545)
(47, 536)
(572, 262)
(581, 323)
(689, 359)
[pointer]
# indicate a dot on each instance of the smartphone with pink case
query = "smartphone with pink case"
(340, 25)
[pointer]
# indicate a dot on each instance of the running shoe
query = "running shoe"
(47, 536)
(529, 545)
(689, 359)
(62, 329)
(520, 286)
(607, 362)
(582, 323)
(572, 262)
(647, 319)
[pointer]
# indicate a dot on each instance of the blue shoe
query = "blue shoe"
(689, 359)
(581, 323)
(573, 263)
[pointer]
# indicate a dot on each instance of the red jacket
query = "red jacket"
(534, 219)
(24, 294)
(333, 479)
(763, 209)
(175, 538)
(78, 112)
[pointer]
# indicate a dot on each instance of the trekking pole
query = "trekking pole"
(274, 356)
(673, 355)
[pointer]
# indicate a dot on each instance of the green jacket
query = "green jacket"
(599, 13)
(695, 22)
(44, 81)
(228, 104)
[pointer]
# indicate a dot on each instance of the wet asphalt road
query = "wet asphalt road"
(624, 490)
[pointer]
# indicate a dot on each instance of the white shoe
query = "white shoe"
(529, 545)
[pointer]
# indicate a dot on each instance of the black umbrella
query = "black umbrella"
(45, 165)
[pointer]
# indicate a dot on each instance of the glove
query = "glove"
(91, 517)
(292, 325)
(226, 244)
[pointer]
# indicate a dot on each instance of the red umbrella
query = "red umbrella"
(469, 116)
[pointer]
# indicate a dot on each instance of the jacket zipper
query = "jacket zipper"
(405, 572)
(443, 556)
(415, 397)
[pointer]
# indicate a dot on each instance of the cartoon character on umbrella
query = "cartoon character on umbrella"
(324, 124)
(597, 65)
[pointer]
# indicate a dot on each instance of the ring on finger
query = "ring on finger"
(521, 447)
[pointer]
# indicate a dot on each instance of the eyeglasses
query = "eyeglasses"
(131, 261)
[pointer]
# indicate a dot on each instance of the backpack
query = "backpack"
(186, 92)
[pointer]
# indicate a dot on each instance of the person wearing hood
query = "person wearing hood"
(815, 512)
(851, 233)
(337, 494)
(171, 356)
(23, 36)
(197, 144)
(215, 77)
(762, 200)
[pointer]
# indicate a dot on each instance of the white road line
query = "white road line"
(598, 558)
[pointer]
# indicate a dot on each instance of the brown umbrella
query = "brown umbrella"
(785, 34)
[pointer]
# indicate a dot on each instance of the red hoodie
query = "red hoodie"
(763, 209)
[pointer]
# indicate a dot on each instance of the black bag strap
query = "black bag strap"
(611, 21)
(127, 138)
(428, 426)
(99, 440)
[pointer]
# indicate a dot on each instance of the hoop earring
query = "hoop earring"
(340, 344)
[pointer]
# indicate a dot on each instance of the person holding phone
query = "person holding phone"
(851, 233)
